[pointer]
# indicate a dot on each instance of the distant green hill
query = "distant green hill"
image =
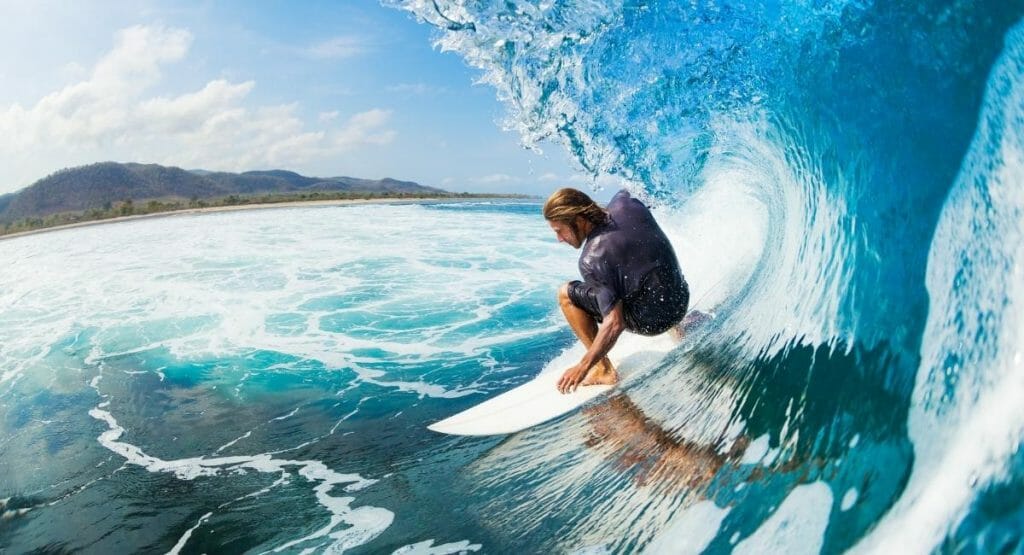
(101, 186)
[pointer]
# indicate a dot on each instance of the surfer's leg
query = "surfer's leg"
(585, 326)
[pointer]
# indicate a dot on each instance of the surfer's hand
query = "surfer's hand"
(572, 378)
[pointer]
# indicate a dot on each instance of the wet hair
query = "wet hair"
(565, 204)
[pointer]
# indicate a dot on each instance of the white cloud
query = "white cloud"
(189, 112)
(549, 177)
(337, 48)
(94, 110)
(114, 114)
(365, 128)
(73, 71)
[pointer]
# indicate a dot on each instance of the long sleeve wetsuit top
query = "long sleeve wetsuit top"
(629, 258)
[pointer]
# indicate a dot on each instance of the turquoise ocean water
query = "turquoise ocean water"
(262, 379)
(841, 180)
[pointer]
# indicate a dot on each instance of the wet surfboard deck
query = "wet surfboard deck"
(538, 400)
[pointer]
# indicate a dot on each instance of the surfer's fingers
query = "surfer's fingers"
(573, 383)
(567, 382)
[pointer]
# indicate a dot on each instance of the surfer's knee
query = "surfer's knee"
(563, 295)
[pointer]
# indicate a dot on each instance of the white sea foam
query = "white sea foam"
(287, 416)
(690, 531)
(351, 285)
(188, 534)
(849, 498)
(13, 513)
(797, 526)
(234, 441)
(427, 547)
(756, 451)
(364, 523)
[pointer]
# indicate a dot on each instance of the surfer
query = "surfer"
(631, 278)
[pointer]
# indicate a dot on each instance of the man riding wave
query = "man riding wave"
(631, 278)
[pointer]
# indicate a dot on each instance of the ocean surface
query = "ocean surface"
(842, 181)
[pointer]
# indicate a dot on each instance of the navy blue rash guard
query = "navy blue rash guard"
(630, 259)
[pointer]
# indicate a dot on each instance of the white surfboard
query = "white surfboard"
(538, 400)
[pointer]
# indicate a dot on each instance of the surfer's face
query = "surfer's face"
(567, 233)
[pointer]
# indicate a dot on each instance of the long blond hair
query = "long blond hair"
(564, 205)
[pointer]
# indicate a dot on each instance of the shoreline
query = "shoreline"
(263, 206)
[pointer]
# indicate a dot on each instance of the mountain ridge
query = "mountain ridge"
(100, 185)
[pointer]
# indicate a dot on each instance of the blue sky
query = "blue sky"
(322, 88)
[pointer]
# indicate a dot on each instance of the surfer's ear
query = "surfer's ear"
(579, 223)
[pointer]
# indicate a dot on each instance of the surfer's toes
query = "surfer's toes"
(601, 378)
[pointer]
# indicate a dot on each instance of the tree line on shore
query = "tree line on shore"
(128, 207)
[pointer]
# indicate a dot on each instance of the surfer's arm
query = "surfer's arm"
(607, 334)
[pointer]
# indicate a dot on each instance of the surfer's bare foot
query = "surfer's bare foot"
(602, 373)
(690, 322)
(677, 332)
(695, 319)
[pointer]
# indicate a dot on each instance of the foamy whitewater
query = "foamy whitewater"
(262, 379)
(841, 181)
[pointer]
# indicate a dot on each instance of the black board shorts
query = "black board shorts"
(652, 310)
